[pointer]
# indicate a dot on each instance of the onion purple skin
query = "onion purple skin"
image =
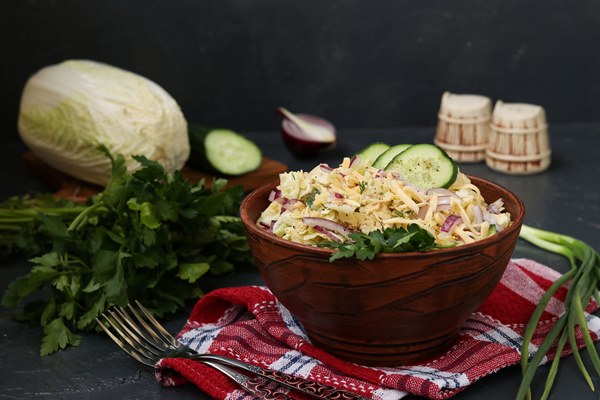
(300, 144)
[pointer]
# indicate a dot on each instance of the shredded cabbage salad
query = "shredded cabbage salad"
(327, 204)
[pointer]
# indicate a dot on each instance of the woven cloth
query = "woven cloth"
(249, 324)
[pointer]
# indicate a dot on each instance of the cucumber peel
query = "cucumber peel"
(425, 166)
(369, 154)
(384, 158)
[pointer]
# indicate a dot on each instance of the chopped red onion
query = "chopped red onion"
(326, 224)
(444, 200)
(287, 204)
(443, 207)
(496, 207)
(327, 233)
(268, 228)
(478, 214)
(354, 161)
(274, 195)
(451, 221)
(442, 193)
(325, 167)
(488, 217)
(338, 196)
(422, 211)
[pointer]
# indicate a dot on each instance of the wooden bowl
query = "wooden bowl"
(396, 309)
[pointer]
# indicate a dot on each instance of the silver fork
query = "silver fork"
(141, 336)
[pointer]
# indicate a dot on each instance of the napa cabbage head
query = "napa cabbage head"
(69, 109)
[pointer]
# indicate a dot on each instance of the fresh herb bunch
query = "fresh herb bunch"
(584, 277)
(149, 236)
(392, 240)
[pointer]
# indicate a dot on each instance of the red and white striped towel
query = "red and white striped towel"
(249, 324)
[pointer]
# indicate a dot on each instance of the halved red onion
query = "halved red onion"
(496, 207)
(451, 221)
(306, 135)
(327, 224)
(327, 233)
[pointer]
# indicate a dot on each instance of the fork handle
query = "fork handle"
(308, 387)
(258, 386)
(311, 388)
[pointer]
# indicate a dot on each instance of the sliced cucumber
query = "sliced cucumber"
(223, 151)
(370, 153)
(426, 166)
(384, 158)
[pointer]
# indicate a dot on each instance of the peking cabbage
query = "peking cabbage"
(69, 109)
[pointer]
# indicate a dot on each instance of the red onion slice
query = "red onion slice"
(327, 224)
(327, 233)
(451, 221)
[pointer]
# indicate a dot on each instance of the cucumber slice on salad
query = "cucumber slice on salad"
(384, 159)
(222, 150)
(426, 166)
(370, 153)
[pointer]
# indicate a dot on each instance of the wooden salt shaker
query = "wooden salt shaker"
(518, 141)
(463, 126)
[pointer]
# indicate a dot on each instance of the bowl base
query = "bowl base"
(388, 355)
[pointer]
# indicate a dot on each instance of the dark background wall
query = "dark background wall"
(359, 63)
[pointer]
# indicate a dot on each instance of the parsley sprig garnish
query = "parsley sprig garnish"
(391, 240)
(150, 236)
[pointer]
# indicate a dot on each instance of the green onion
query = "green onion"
(584, 276)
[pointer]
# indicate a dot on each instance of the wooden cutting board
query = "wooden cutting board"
(72, 188)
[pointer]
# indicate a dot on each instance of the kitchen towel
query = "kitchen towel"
(249, 324)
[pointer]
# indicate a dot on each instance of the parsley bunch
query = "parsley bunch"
(392, 240)
(148, 236)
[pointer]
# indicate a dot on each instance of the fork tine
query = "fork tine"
(128, 335)
(165, 334)
(123, 347)
(153, 341)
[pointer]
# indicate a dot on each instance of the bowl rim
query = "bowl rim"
(300, 247)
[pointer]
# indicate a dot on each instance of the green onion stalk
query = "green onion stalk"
(584, 275)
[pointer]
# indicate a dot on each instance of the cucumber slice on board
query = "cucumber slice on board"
(223, 151)
(426, 166)
(370, 153)
(384, 158)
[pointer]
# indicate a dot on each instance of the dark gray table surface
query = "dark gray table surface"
(565, 199)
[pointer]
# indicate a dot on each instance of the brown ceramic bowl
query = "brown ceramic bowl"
(396, 309)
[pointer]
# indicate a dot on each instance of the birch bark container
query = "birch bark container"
(463, 126)
(518, 140)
